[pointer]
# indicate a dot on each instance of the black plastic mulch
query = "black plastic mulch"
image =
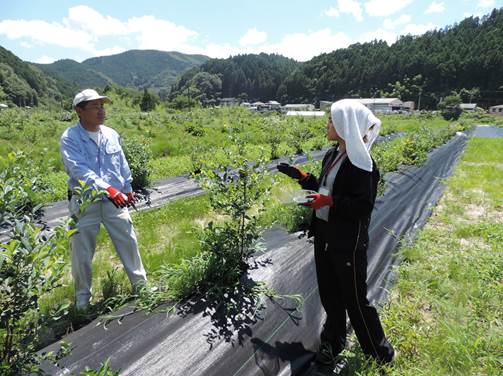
(199, 340)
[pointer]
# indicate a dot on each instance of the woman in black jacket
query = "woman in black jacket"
(342, 207)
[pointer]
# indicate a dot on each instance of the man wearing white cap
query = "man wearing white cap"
(92, 152)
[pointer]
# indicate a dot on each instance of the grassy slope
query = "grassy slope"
(444, 314)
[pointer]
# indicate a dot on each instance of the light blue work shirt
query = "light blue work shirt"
(98, 166)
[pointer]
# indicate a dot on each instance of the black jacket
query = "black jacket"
(353, 192)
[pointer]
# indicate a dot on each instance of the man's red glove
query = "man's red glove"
(131, 198)
(117, 197)
(319, 201)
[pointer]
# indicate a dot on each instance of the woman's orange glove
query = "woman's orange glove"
(292, 171)
(319, 201)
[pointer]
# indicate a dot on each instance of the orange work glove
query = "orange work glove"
(117, 197)
(319, 201)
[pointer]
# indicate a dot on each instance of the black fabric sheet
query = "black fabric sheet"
(199, 341)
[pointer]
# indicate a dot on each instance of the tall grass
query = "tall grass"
(444, 315)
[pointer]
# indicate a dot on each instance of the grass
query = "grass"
(444, 314)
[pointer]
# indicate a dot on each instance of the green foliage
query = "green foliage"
(148, 101)
(298, 137)
(203, 87)
(104, 370)
(256, 76)
(450, 108)
(465, 55)
(19, 183)
(410, 150)
(181, 102)
(138, 157)
(226, 246)
(24, 84)
(85, 196)
(31, 265)
(194, 130)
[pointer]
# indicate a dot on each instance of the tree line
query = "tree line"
(465, 58)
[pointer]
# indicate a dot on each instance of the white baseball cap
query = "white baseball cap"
(88, 95)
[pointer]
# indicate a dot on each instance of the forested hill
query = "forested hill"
(23, 84)
(76, 73)
(466, 57)
(250, 77)
(135, 68)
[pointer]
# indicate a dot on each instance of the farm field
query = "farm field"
(177, 142)
(172, 234)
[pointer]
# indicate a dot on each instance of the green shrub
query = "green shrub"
(235, 189)
(138, 157)
(194, 130)
(450, 108)
(31, 264)
(20, 183)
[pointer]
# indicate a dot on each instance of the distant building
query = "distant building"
(306, 113)
(259, 106)
(274, 105)
(228, 101)
(496, 110)
(299, 107)
(325, 105)
(383, 105)
(469, 107)
(409, 106)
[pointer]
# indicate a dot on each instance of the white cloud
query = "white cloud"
(435, 8)
(253, 37)
(303, 46)
(26, 45)
(346, 7)
(298, 46)
(392, 24)
(46, 33)
(84, 27)
(332, 12)
(45, 60)
(154, 33)
(414, 29)
(88, 19)
(384, 8)
(485, 3)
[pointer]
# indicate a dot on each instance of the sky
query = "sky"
(43, 31)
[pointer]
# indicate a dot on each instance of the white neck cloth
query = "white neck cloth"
(352, 121)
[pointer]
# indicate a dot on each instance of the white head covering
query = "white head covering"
(352, 121)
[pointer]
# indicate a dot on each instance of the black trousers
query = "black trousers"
(342, 284)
